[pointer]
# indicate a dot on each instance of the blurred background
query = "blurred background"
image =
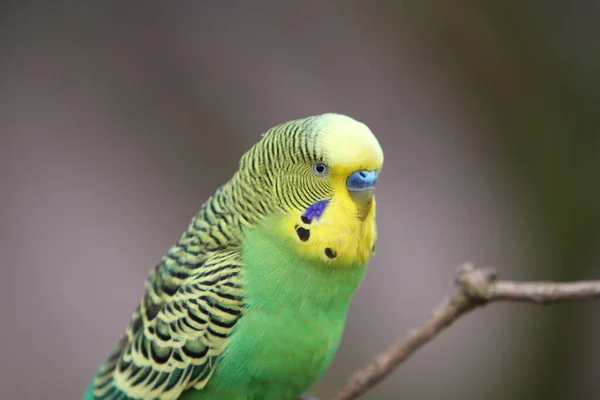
(118, 120)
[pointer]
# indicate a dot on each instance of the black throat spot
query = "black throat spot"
(303, 234)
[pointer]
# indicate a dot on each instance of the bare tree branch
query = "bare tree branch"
(475, 287)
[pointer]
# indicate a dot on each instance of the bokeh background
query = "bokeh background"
(117, 121)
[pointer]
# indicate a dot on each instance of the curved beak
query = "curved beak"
(361, 184)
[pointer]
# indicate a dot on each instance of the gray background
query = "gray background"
(118, 120)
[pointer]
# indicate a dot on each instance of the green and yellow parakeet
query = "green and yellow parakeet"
(251, 302)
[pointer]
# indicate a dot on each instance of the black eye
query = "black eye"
(319, 169)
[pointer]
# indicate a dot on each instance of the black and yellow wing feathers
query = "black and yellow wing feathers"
(180, 329)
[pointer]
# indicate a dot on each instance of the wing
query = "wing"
(180, 329)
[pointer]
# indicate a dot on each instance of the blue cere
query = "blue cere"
(362, 180)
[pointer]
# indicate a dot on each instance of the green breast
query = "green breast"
(294, 321)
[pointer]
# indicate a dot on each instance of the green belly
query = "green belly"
(290, 332)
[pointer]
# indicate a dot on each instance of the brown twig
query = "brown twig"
(474, 287)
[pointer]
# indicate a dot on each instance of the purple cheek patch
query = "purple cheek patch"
(314, 211)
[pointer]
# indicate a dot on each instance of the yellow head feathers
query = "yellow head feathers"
(347, 144)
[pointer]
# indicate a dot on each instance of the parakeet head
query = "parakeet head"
(318, 158)
(321, 172)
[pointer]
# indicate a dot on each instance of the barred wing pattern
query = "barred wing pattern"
(178, 332)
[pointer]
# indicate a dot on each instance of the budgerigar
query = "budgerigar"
(251, 302)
